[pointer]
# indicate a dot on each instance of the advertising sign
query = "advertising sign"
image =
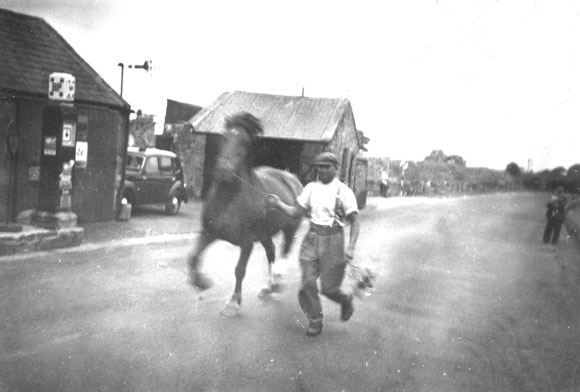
(81, 153)
(50, 145)
(68, 134)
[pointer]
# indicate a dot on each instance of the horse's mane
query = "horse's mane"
(246, 121)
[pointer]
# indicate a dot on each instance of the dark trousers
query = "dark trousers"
(321, 256)
(552, 231)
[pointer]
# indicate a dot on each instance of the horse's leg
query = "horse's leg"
(289, 232)
(289, 237)
(234, 306)
(273, 286)
(198, 279)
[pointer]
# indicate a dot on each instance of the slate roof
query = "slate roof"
(283, 117)
(30, 50)
(178, 111)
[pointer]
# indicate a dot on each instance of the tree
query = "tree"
(560, 171)
(513, 169)
(556, 178)
(574, 171)
(436, 156)
(573, 178)
(532, 181)
(455, 160)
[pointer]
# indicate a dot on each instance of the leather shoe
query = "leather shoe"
(314, 329)
(347, 309)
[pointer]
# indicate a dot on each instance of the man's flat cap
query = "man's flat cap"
(325, 158)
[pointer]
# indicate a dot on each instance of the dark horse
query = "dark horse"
(235, 209)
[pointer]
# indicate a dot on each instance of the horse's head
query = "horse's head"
(235, 156)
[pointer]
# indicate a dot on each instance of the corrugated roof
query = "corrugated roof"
(30, 50)
(283, 117)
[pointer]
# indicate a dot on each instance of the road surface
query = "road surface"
(467, 298)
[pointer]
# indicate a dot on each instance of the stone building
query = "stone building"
(295, 130)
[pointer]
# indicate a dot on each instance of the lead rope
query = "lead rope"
(249, 185)
(258, 191)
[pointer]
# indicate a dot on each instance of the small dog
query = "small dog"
(364, 280)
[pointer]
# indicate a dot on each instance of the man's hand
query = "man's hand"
(349, 254)
(272, 201)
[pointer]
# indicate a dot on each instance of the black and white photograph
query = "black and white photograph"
(306, 196)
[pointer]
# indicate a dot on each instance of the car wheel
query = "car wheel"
(174, 205)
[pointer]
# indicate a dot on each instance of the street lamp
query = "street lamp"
(146, 66)
(122, 72)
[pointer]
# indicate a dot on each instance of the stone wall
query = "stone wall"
(345, 145)
(360, 183)
(142, 131)
(33, 239)
(190, 148)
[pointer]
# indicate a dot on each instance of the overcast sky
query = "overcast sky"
(491, 81)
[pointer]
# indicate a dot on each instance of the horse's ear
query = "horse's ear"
(247, 121)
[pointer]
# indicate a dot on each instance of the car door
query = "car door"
(167, 169)
(151, 185)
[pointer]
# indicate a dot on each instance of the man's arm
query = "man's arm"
(354, 232)
(292, 211)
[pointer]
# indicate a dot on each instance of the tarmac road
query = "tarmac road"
(467, 299)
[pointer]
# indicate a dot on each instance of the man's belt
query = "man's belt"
(325, 230)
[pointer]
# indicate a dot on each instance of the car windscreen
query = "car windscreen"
(166, 164)
(152, 165)
(134, 162)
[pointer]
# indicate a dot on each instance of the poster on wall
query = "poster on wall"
(68, 134)
(34, 173)
(50, 145)
(82, 149)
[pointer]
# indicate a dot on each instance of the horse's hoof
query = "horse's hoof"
(200, 281)
(265, 293)
(232, 310)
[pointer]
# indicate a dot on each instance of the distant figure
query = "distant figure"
(556, 214)
(384, 182)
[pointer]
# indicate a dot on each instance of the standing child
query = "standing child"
(555, 214)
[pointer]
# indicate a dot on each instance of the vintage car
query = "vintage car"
(154, 176)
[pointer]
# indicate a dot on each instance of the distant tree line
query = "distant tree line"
(547, 180)
(440, 174)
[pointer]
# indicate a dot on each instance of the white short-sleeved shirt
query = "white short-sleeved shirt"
(321, 199)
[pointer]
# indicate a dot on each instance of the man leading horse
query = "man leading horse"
(330, 204)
